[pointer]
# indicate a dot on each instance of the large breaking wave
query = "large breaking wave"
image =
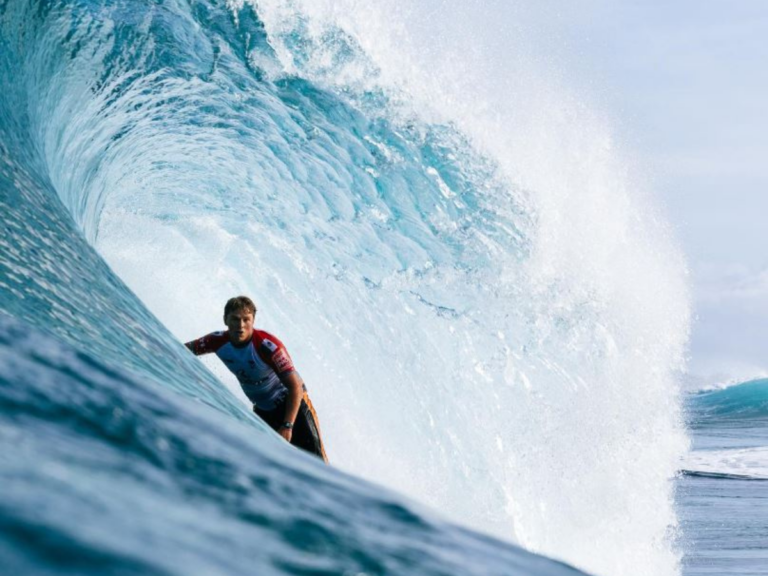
(488, 315)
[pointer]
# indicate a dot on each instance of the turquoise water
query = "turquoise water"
(490, 317)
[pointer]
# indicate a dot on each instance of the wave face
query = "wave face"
(744, 402)
(487, 314)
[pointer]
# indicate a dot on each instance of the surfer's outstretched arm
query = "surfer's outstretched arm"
(208, 343)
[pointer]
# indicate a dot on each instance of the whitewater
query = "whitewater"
(469, 273)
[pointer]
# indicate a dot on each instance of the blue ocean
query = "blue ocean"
(469, 272)
(723, 490)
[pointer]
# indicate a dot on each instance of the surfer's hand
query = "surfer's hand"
(286, 433)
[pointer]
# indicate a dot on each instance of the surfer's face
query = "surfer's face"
(240, 324)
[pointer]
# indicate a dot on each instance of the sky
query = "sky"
(688, 81)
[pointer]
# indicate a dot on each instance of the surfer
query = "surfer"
(266, 374)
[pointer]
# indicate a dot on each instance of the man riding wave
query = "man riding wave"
(266, 374)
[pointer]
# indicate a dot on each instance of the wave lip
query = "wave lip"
(540, 368)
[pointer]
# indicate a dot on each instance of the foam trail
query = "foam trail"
(748, 463)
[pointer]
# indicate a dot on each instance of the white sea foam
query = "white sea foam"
(603, 289)
(744, 462)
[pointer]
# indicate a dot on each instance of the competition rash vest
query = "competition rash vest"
(258, 365)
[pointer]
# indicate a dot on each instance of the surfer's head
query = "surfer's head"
(239, 314)
(239, 303)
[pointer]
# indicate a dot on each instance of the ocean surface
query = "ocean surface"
(490, 314)
(723, 493)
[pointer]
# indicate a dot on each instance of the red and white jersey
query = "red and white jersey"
(258, 365)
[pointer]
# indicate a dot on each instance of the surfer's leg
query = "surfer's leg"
(306, 430)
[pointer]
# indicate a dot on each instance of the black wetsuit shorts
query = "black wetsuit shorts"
(306, 430)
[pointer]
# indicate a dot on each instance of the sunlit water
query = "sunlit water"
(488, 313)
